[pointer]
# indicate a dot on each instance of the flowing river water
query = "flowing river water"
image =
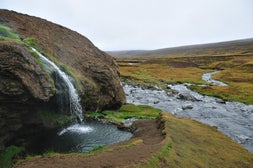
(232, 118)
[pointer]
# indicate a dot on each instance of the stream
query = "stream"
(232, 118)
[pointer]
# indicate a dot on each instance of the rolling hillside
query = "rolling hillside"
(237, 47)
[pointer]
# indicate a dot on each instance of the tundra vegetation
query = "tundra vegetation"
(186, 143)
(236, 71)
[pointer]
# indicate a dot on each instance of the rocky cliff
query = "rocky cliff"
(26, 91)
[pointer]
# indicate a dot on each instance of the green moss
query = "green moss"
(96, 149)
(6, 32)
(30, 42)
(7, 156)
(128, 111)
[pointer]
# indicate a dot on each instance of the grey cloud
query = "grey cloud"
(146, 24)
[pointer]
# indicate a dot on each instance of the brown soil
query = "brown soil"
(127, 156)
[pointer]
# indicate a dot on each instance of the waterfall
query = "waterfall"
(71, 98)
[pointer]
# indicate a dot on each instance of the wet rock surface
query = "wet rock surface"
(232, 118)
(24, 89)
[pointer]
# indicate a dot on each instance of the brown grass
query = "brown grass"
(157, 72)
(236, 72)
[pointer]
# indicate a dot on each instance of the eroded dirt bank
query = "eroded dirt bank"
(146, 142)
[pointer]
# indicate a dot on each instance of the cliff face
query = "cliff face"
(26, 92)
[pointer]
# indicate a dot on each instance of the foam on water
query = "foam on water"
(76, 128)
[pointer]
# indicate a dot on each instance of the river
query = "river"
(232, 118)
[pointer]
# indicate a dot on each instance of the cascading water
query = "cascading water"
(75, 137)
(72, 96)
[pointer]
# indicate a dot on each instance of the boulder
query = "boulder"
(96, 71)
(187, 106)
(186, 97)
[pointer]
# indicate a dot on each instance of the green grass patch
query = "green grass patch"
(128, 111)
(6, 32)
(236, 92)
(7, 156)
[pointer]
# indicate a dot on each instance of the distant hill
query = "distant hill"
(236, 47)
(127, 52)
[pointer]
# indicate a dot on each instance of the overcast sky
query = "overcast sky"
(145, 24)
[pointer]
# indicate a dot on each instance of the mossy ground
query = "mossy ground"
(6, 32)
(127, 111)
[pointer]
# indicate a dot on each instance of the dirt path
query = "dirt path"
(127, 156)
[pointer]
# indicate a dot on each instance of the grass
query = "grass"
(128, 111)
(6, 32)
(153, 73)
(238, 75)
(192, 144)
(7, 156)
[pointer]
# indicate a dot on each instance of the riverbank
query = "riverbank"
(146, 142)
(165, 142)
(232, 118)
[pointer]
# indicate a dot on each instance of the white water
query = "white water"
(76, 128)
(75, 106)
(233, 118)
